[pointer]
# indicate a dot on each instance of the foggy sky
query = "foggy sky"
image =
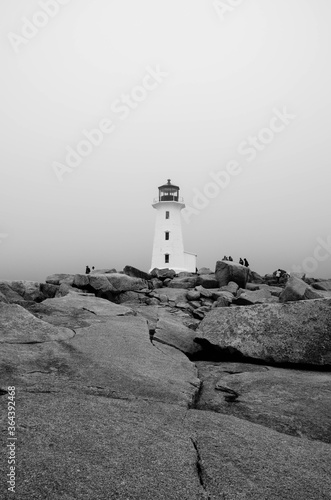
(223, 78)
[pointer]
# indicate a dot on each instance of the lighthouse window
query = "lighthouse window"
(166, 258)
(167, 235)
(167, 215)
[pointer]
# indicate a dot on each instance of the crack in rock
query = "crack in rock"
(231, 396)
(88, 310)
(199, 469)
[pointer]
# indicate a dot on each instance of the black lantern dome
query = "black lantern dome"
(168, 192)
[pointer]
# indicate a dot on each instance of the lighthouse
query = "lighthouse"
(168, 247)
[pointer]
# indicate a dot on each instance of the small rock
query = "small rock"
(230, 271)
(207, 294)
(163, 273)
(136, 273)
(207, 281)
(231, 287)
(193, 295)
(204, 270)
(297, 289)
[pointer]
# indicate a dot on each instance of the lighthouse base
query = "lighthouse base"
(189, 264)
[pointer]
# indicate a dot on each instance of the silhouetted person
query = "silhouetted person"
(246, 263)
(87, 270)
(225, 258)
(230, 259)
(241, 261)
(278, 275)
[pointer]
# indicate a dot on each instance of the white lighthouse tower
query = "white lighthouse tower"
(168, 248)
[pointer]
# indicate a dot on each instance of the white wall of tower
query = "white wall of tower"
(174, 246)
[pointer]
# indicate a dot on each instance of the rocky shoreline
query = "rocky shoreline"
(192, 386)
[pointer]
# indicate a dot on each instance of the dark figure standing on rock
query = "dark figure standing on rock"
(241, 261)
(230, 259)
(246, 263)
(87, 270)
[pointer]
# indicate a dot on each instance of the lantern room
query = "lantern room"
(168, 192)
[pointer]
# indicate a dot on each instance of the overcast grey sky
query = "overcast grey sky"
(234, 92)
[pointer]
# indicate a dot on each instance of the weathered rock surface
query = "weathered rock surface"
(112, 283)
(175, 294)
(204, 270)
(226, 271)
(222, 302)
(297, 289)
(207, 281)
(289, 401)
(241, 460)
(274, 290)
(296, 332)
(28, 290)
(322, 285)
(108, 412)
(9, 295)
(163, 273)
(193, 295)
(171, 330)
(136, 273)
(104, 271)
(124, 283)
(255, 277)
(18, 326)
(231, 287)
(94, 305)
(246, 297)
(130, 297)
(188, 282)
(49, 291)
(58, 279)
(204, 292)
(223, 294)
(252, 287)
(64, 289)
(87, 446)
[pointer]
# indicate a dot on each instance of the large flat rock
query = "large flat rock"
(18, 326)
(112, 357)
(96, 305)
(295, 332)
(290, 401)
(121, 358)
(85, 447)
(240, 460)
